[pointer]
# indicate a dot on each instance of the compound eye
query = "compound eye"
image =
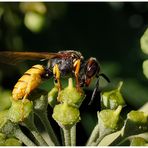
(92, 68)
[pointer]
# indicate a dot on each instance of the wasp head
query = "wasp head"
(89, 70)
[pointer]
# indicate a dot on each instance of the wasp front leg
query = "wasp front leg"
(77, 69)
(57, 74)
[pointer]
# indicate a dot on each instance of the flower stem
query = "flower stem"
(62, 136)
(99, 140)
(73, 135)
(29, 123)
(67, 136)
(22, 137)
(52, 137)
(94, 135)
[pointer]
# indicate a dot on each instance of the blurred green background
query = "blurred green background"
(109, 31)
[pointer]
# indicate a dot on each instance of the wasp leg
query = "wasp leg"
(77, 69)
(56, 73)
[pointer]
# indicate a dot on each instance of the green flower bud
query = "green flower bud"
(52, 96)
(109, 118)
(2, 139)
(138, 141)
(137, 116)
(13, 142)
(19, 110)
(12, 129)
(136, 123)
(39, 98)
(112, 99)
(3, 118)
(66, 115)
(71, 95)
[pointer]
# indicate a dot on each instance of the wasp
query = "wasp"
(60, 64)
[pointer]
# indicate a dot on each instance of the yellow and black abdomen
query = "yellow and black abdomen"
(28, 82)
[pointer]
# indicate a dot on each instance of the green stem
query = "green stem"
(22, 137)
(73, 135)
(99, 140)
(62, 136)
(117, 141)
(122, 142)
(29, 123)
(67, 136)
(120, 85)
(94, 135)
(101, 136)
(52, 137)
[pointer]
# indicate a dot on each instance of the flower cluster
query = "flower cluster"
(114, 127)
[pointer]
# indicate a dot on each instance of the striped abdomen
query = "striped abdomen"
(28, 82)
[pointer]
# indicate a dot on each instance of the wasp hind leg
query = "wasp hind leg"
(77, 69)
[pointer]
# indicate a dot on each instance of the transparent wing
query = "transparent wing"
(12, 58)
